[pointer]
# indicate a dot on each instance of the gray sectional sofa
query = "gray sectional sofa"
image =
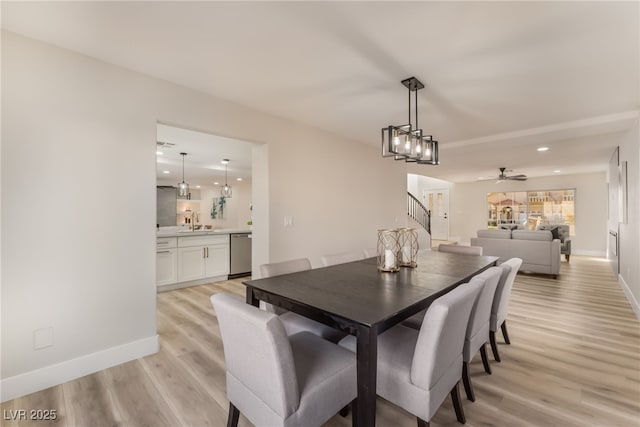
(539, 251)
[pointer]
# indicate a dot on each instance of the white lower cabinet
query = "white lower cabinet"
(166, 261)
(217, 260)
(189, 258)
(166, 266)
(200, 257)
(191, 263)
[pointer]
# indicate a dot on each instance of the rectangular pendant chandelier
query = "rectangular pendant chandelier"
(403, 142)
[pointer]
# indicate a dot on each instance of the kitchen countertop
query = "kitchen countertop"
(201, 232)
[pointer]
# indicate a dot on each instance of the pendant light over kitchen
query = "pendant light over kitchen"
(183, 187)
(226, 190)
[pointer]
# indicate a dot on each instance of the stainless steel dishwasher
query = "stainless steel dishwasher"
(240, 255)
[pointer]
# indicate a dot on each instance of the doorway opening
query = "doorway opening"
(201, 226)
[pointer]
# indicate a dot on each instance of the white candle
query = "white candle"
(389, 259)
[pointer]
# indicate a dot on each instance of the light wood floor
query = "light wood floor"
(574, 361)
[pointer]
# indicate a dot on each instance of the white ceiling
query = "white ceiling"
(202, 164)
(501, 77)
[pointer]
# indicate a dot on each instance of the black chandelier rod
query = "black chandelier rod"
(417, 127)
(409, 108)
(413, 85)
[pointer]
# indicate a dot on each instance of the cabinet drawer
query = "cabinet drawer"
(166, 242)
(187, 241)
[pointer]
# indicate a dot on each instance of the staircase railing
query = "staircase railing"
(418, 212)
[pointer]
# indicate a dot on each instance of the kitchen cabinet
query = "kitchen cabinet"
(217, 260)
(201, 257)
(166, 261)
(191, 263)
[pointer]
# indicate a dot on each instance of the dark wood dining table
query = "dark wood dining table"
(357, 298)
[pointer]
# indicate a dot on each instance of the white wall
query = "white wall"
(629, 233)
(84, 262)
(337, 202)
(417, 184)
(75, 260)
(468, 206)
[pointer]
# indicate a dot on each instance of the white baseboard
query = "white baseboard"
(49, 376)
(601, 254)
(630, 297)
(174, 286)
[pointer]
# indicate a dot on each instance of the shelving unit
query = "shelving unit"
(184, 208)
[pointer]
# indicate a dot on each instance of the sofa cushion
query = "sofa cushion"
(560, 231)
(542, 235)
(495, 234)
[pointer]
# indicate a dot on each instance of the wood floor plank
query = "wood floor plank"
(90, 402)
(137, 398)
(186, 396)
(210, 373)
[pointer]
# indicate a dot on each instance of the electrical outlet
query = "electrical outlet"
(43, 338)
(288, 221)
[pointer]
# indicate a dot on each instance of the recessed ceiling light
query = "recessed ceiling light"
(238, 179)
(216, 183)
(556, 171)
(197, 186)
(543, 148)
(224, 161)
(159, 153)
(166, 172)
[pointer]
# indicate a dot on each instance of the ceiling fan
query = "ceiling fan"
(505, 177)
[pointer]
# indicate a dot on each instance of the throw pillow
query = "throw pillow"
(555, 233)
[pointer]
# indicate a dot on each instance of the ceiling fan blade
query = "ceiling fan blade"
(503, 177)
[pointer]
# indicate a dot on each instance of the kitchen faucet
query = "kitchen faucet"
(194, 219)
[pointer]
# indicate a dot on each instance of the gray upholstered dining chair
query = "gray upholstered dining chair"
(477, 335)
(415, 321)
(500, 304)
(341, 258)
(460, 249)
(417, 369)
(294, 323)
(279, 380)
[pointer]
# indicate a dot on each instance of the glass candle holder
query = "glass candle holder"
(388, 250)
(408, 247)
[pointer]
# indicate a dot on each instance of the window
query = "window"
(529, 209)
